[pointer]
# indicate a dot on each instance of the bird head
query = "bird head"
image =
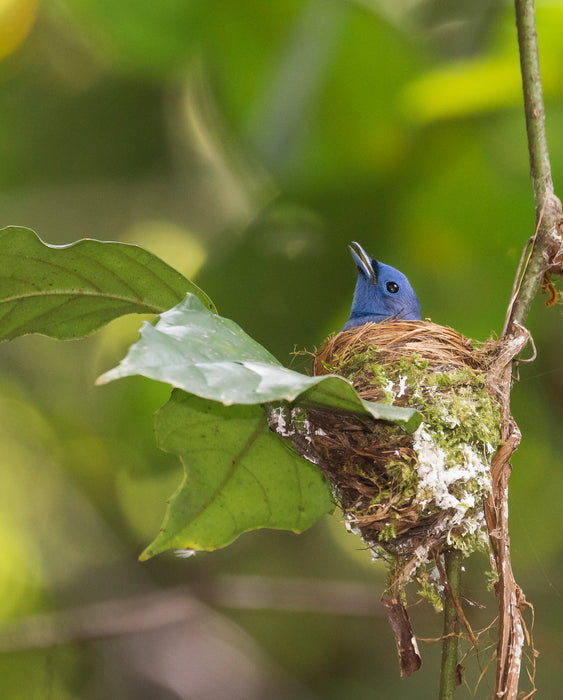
(381, 293)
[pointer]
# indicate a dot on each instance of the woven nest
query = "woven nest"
(383, 476)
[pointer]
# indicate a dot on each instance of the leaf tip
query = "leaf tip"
(413, 423)
(147, 554)
(107, 377)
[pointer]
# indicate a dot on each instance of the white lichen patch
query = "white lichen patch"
(440, 469)
(454, 458)
(403, 383)
(278, 420)
(351, 524)
(420, 557)
(293, 424)
(393, 390)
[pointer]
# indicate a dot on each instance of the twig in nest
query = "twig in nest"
(522, 266)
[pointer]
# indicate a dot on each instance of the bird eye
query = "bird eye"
(392, 287)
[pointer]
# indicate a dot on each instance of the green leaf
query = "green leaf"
(212, 357)
(70, 291)
(239, 476)
(336, 394)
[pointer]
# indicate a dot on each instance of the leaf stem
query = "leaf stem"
(448, 671)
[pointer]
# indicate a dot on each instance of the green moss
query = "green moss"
(431, 590)
(414, 368)
(491, 576)
(383, 496)
(404, 480)
(389, 532)
(463, 414)
(356, 362)
(378, 376)
(455, 377)
(469, 541)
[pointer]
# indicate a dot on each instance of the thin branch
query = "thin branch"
(450, 574)
(547, 239)
(449, 669)
(539, 259)
(533, 100)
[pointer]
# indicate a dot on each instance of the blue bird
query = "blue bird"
(381, 293)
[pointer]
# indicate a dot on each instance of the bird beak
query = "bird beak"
(363, 261)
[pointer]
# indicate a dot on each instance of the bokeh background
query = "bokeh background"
(247, 143)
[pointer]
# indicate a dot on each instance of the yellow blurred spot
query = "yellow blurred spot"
(464, 89)
(487, 83)
(115, 337)
(173, 244)
(16, 20)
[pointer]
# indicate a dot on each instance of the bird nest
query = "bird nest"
(409, 494)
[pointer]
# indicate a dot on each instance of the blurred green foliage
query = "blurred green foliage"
(246, 144)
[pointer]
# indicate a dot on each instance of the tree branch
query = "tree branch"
(449, 668)
(541, 257)
(547, 239)
(533, 100)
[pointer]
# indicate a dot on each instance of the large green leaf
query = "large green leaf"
(239, 476)
(212, 357)
(72, 290)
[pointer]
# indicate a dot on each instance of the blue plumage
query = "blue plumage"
(381, 293)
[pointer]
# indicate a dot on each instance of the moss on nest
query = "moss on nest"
(408, 495)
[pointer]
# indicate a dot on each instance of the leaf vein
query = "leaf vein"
(235, 463)
(75, 295)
